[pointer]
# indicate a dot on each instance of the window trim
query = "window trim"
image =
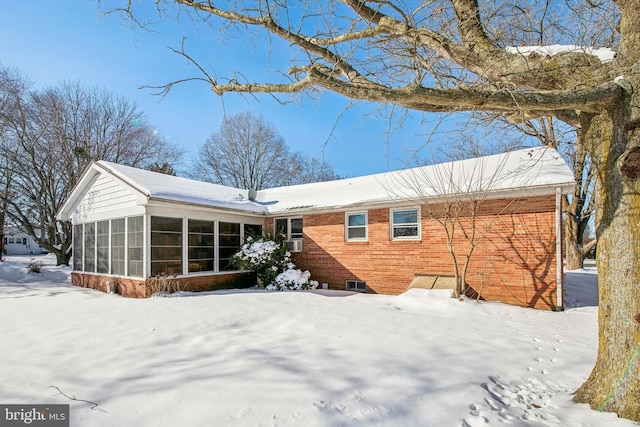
(347, 227)
(291, 246)
(418, 224)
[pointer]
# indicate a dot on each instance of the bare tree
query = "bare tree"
(248, 152)
(463, 55)
(306, 169)
(51, 136)
(11, 83)
(579, 205)
(454, 197)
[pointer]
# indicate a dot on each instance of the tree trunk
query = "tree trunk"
(614, 144)
(573, 253)
(62, 257)
(614, 383)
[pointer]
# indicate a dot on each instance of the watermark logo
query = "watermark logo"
(34, 415)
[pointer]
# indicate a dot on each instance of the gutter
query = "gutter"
(173, 202)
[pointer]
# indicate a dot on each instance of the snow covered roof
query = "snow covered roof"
(529, 171)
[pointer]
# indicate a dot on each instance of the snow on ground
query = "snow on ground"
(317, 358)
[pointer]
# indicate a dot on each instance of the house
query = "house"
(376, 233)
(17, 242)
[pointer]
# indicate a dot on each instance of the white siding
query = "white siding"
(106, 198)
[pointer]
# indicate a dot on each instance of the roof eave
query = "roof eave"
(528, 191)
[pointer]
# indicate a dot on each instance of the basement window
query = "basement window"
(356, 285)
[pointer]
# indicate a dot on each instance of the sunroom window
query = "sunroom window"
(229, 244)
(102, 246)
(201, 245)
(78, 245)
(117, 246)
(135, 242)
(166, 246)
(90, 247)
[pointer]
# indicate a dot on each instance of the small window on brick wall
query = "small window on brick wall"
(356, 285)
(405, 224)
(356, 227)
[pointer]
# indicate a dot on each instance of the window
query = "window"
(78, 239)
(90, 247)
(252, 230)
(228, 244)
(135, 240)
(356, 285)
(282, 227)
(166, 246)
(356, 226)
(102, 247)
(291, 229)
(10, 240)
(405, 224)
(201, 244)
(117, 246)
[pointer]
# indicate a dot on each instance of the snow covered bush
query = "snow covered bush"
(272, 263)
(267, 258)
(293, 280)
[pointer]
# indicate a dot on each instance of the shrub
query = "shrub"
(272, 263)
(267, 258)
(162, 284)
(293, 280)
(35, 267)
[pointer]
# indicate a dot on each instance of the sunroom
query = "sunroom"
(128, 230)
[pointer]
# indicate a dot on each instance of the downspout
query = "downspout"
(559, 265)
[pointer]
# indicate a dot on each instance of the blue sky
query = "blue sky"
(51, 41)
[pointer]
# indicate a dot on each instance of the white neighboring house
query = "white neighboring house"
(17, 242)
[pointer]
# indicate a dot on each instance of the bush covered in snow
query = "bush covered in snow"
(293, 280)
(272, 263)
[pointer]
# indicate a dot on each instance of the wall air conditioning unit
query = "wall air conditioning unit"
(294, 245)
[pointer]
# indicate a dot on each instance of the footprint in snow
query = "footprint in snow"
(320, 404)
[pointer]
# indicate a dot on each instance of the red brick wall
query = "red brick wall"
(514, 261)
(139, 288)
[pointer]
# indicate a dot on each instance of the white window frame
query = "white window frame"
(293, 247)
(347, 227)
(393, 226)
